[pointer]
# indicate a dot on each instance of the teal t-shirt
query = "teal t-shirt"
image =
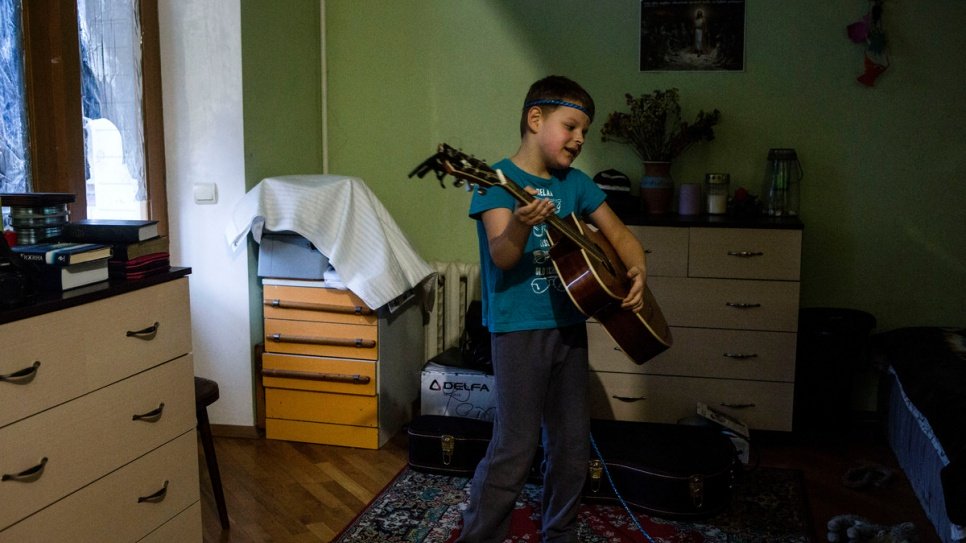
(531, 296)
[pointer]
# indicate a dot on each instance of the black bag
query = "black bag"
(475, 340)
(668, 470)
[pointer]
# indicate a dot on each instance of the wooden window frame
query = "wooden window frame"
(56, 135)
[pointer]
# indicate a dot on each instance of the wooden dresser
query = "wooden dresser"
(97, 415)
(336, 371)
(729, 290)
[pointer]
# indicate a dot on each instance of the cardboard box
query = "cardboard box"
(457, 392)
(288, 255)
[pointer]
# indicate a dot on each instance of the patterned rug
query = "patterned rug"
(768, 505)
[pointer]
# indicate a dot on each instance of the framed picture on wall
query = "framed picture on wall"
(689, 35)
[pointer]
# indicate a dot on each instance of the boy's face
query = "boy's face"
(560, 136)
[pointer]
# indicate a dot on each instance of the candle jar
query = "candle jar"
(716, 186)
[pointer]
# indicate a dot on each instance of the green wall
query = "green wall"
(282, 102)
(282, 88)
(883, 193)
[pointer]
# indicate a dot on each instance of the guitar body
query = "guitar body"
(597, 288)
(592, 272)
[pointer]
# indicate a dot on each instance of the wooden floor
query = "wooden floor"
(297, 492)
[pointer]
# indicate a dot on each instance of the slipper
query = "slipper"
(867, 475)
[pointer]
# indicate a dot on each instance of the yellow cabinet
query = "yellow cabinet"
(336, 371)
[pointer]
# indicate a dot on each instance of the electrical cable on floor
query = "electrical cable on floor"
(620, 498)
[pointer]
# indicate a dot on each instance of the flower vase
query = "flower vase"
(657, 188)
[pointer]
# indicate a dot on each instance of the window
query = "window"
(81, 105)
(14, 152)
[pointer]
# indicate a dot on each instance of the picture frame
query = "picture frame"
(689, 35)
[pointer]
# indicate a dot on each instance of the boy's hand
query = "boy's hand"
(634, 301)
(536, 212)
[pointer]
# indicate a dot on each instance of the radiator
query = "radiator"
(457, 284)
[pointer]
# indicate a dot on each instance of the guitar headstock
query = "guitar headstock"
(466, 170)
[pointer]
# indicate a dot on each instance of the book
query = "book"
(129, 251)
(114, 231)
(71, 276)
(139, 267)
(63, 253)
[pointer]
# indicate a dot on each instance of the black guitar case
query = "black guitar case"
(447, 445)
(667, 470)
(454, 445)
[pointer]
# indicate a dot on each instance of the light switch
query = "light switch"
(206, 193)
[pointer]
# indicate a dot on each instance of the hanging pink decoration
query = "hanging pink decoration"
(869, 30)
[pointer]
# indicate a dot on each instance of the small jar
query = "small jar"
(716, 186)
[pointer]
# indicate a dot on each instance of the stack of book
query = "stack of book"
(64, 265)
(138, 250)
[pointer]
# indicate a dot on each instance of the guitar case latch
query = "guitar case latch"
(448, 443)
(596, 472)
(696, 486)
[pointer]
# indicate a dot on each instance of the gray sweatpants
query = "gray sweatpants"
(541, 384)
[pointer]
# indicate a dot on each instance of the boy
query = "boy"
(539, 339)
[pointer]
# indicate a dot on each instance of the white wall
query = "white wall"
(204, 143)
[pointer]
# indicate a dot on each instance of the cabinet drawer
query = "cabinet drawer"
(323, 433)
(666, 249)
(321, 339)
(745, 253)
(704, 352)
(338, 375)
(658, 398)
(316, 304)
(88, 347)
(85, 439)
(726, 303)
(350, 409)
(109, 510)
(183, 528)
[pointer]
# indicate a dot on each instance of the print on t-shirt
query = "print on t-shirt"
(545, 275)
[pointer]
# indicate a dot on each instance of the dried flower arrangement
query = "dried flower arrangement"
(653, 127)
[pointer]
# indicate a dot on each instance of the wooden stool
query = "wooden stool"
(206, 393)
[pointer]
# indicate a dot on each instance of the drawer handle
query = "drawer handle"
(28, 475)
(308, 306)
(737, 405)
(333, 377)
(157, 497)
(740, 356)
(740, 305)
(337, 341)
(745, 254)
(648, 251)
(146, 334)
(22, 377)
(151, 416)
(628, 399)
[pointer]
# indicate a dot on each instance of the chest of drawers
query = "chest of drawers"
(730, 296)
(97, 420)
(336, 371)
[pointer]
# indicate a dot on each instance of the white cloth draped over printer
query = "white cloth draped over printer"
(343, 218)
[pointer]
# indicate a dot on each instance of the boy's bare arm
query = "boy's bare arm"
(629, 250)
(507, 231)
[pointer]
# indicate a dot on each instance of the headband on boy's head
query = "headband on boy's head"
(549, 102)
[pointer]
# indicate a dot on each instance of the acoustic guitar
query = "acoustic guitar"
(587, 264)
